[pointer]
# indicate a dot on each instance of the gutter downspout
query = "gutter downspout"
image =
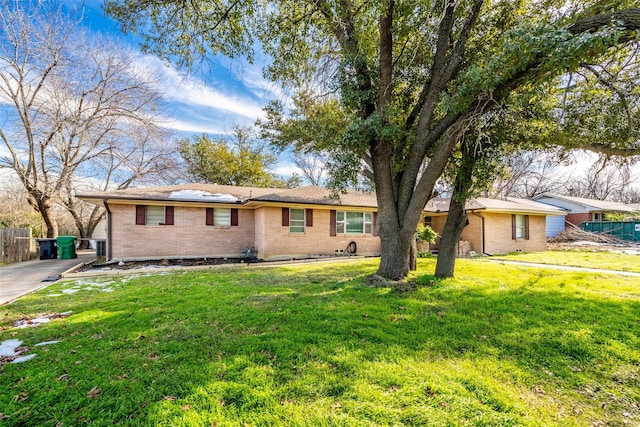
(109, 231)
(482, 231)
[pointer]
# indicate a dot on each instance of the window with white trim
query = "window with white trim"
(296, 220)
(354, 222)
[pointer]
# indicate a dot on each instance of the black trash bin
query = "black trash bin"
(48, 248)
(101, 248)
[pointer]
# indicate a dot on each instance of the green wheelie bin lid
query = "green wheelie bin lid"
(66, 247)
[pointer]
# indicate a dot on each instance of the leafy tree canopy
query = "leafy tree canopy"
(239, 162)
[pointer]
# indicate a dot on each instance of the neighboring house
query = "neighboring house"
(200, 220)
(635, 207)
(579, 210)
(496, 226)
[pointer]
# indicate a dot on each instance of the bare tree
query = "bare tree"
(140, 158)
(604, 180)
(313, 166)
(526, 174)
(70, 103)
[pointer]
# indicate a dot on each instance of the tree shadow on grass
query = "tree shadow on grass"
(296, 350)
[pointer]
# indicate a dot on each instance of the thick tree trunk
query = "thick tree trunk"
(395, 259)
(457, 216)
(448, 251)
(43, 206)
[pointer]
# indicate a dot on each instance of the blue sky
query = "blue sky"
(211, 101)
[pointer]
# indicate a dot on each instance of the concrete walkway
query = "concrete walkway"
(564, 267)
(21, 278)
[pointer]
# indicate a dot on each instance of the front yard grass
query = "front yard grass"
(314, 345)
(581, 258)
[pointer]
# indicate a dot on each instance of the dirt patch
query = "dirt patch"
(136, 265)
(628, 248)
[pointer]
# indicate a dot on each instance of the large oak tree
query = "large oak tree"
(411, 76)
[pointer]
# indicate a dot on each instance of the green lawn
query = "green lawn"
(581, 258)
(314, 345)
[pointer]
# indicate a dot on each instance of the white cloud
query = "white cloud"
(285, 168)
(191, 127)
(184, 89)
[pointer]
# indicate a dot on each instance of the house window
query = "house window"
(154, 215)
(520, 227)
(222, 217)
(598, 217)
(296, 220)
(354, 222)
(428, 221)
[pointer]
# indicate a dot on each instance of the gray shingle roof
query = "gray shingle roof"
(590, 204)
(508, 205)
(215, 193)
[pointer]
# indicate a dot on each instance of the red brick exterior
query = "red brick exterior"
(577, 218)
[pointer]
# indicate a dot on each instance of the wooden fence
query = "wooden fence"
(15, 244)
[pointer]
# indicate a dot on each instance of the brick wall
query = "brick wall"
(498, 237)
(577, 218)
(274, 240)
(471, 234)
(189, 237)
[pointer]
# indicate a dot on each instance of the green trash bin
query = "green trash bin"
(66, 247)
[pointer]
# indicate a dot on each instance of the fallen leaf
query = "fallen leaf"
(186, 407)
(429, 392)
(93, 393)
(170, 398)
(22, 396)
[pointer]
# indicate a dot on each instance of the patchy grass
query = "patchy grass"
(581, 258)
(314, 346)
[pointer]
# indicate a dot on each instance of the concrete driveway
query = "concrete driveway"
(21, 278)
